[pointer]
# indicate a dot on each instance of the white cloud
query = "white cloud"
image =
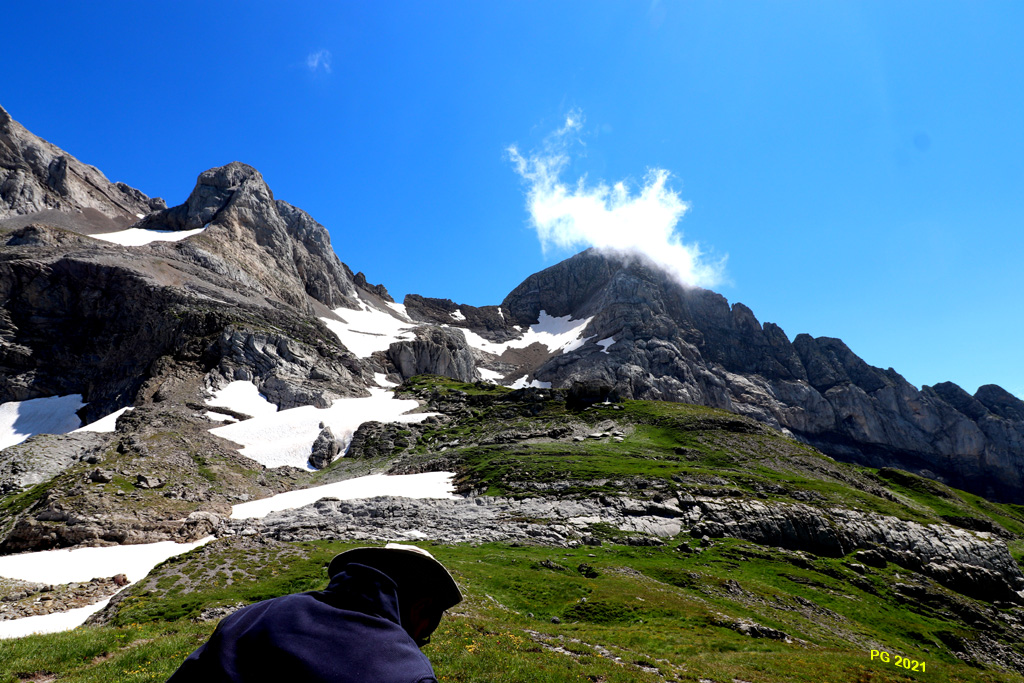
(321, 59)
(611, 218)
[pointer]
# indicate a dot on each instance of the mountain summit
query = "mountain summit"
(39, 178)
(83, 316)
(663, 341)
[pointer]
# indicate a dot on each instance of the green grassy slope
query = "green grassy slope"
(726, 611)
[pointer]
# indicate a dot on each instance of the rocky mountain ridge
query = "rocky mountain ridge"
(676, 343)
(160, 326)
(37, 177)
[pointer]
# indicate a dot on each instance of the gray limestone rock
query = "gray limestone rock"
(36, 176)
(325, 449)
(42, 457)
(261, 243)
(686, 344)
(437, 351)
(973, 563)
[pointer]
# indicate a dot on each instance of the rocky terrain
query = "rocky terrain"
(652, 425)
(674, 343)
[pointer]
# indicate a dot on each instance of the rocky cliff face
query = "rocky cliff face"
(681, 344)
(156, 327)
(263, 244)
(36, 176)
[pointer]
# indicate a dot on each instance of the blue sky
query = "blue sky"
(858, 166)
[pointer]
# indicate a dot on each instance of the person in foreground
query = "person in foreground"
(380, 607)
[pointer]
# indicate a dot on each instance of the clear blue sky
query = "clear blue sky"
(859, 164)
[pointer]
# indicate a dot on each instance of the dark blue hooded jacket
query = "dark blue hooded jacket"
(349, 633)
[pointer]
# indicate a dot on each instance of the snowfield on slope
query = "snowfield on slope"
(136, 561)
(68, 565)
(104, 424)
(277, 439)
(557, 334)
(51, 415)
(370, 329)
(137, 237)
(423, 485)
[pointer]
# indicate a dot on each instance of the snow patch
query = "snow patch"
(399, 309)
(557, 334)
(382, 379)
(286, 437)
(369, 329)
(51, 415)
(424, 485)
(68, 565)
(242, 396)
(136, 237)
(49, 623)
(521, 383)
(605, 343)
(457, 315)
(104, 424)
(490, 375)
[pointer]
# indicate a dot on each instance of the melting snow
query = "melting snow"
(136, 237)
(79, 565)
(425, 485)
(605, 343)
(490, 375)
(66, 565)
(369, 329)
(457, 315)
(383, 381)
(242, 397)
(52, 415)
(521, 383)
(286, 437)
(104, 424)
(49, 623)
(398, 308)
(557, 334)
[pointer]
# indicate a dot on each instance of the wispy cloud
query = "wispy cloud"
(609, 217)
(321, 59)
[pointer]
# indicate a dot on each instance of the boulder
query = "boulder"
(325, 449)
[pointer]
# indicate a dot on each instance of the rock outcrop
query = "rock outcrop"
(262, 243)
(487, 321)
(325, 449)
(684, 344)
(43, 457)
(36, 176)
(435, 351)
(972, 563)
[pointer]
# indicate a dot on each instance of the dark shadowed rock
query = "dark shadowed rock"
(487, 321)
(583, 394)
(1001, 402)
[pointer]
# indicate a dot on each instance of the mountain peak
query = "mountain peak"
(36, 176)
(282, 250)
(214, 191)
